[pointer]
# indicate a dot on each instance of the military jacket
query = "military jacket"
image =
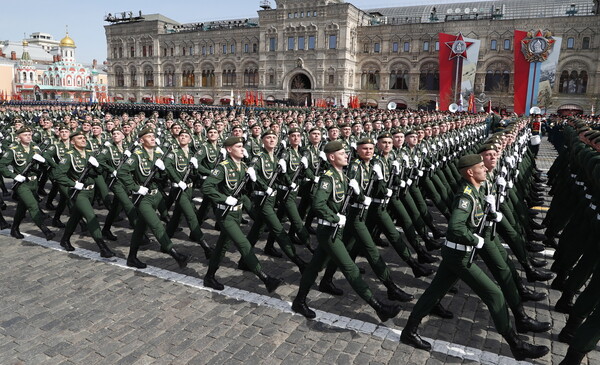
(330, 195)
(208, 157)
(467, 213)
(223, 180)
(177, 163)
(43, 134)
(360, 171)
(315, 162)
(136, 169)
(110, 156)
(17, 157)
(265, 167)
(71, 166)
(292, 158)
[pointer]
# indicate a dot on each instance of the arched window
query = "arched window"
(229, 76)
(370, 77)
(251, 77)
(133, 76)
(208, 77)
(169, 76)
(585, 43)
(188, 79)
(497, 78)
(399, 78)
(429, 77)
(119, 77)
(573, 82)
(148, 76)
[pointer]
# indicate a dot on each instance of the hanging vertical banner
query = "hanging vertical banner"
(536, 58)
(458, 64)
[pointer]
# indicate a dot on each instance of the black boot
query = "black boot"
(272, 251)
(182, 259)
(524, 323)
(14, 232)
(271, 283)
(104, 250)
(537, 262)
(423, 256)
(3, 223)
(299, 262)
(534, 247)
(440, 311)
(207, 249)
(107, 234)
(410, 336)
(568, 332)
(57, 223)
(431, 244)
(326, 286)
(395, 293)
(379, 242)
(437, 233)
(50, 206)
(573, 357)
(535, 225)
(418, 269)
(550, 242)
(133, 261)
(299, 306)
(565, 303)
(384, 311)
(522, 350)
(211, 282)
(66, 243)
(537, 274)
(559, 282)
(527, 294)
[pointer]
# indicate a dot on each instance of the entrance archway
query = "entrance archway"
(300, 86)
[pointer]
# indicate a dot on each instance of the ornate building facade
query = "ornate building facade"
(303, 50)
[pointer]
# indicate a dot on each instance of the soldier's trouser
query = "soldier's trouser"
(435, 196)
(266, 215)
(63, 200)
(588, 334)
(399, 211)
(443, 187)
(82, 207)
(454, 267)
(378, 217)
(513, 239)
(414, 213)
(359, 240)
(231, 232)
(496, 259)
(296, 223)
(419, 200)
(120, 201)
(573, 238)
(584, 268)
(28, 202)
(102, 191)
(185, 207)
(333, 249)
(148, 218)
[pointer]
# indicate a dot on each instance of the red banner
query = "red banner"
(447, 70)
(521, 74)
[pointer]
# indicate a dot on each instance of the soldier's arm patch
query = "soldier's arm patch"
(325, 185)
(171, 156)
(463, 203)
(129, 161)
(216, 172)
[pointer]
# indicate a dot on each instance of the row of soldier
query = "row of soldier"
(358, 181)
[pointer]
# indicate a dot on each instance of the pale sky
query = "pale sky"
(85, 19)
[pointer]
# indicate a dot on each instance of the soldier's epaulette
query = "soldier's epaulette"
(224, 163)
(137, 151)
(468, 190)
(70, 152)
(13, 146)
(329, 173)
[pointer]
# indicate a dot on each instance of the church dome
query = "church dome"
(67, 42)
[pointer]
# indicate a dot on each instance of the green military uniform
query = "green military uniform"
(53, 155)
(208, 156)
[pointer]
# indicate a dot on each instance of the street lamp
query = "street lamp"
(572, 10)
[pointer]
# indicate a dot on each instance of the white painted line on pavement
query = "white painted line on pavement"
(334, 320)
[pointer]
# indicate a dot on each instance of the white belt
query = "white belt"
(573, 176)
(283, 187)
(89, 187)
(593, 206)
(263, 193)
(323, 222)
(202, 177)
(458, 246)
(579, 183)
(234, 208)
(189, 185)
(380, 201)
(152, 192)
(32, 178)
(357, 205)
(588, 196)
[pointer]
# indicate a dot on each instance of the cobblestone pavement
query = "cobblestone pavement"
(76, 308)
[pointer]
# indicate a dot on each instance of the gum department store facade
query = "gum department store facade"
(328, 49)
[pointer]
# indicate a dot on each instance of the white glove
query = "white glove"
(417, 159)
(182, 185)
(499, 217)
(304, 161)
(491, 200)
(157, 141)
(107, 144)
(501, 199)
(500, 181)
(510, 184)
(127, 153)
(224, 153)
(388, 193)
(245, 153)
(20, 178)
(516, 174)
(160, 164)
(293, 186)
(402, 184)
(409, 182)
(142, 190)
(323, 156)
(252, 173)
(231, 201)
(396, 167)
(114, 173)
(78, 185)
(480, 241)
(353, 145)
(342, 221)
(378, 172)
(316, 179)
(354, 186)
(194, 162)
(367, 201)
(283, 165)
(38, 158)
(92, 160)
(406, 160)
(269, 191)
(424, 151)
(284, 143)
(420, 173)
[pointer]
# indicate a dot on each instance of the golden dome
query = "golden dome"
(67, 42)
(25, 43)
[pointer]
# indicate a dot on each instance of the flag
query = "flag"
(458, 64)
